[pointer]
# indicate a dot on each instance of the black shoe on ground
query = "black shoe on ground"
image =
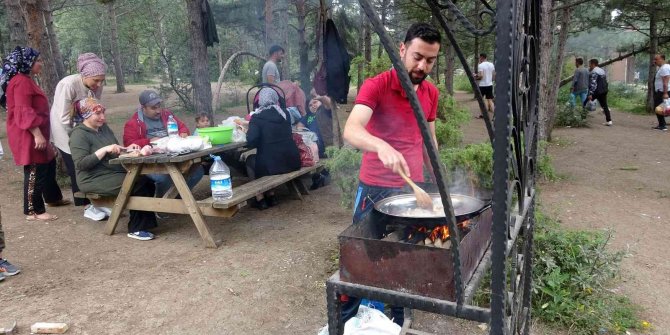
(271, 201)
(660, 128)
(260, 205)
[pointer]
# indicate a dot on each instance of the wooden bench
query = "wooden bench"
(251, 189)
(207, 207)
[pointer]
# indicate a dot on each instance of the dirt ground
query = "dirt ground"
(268, 276)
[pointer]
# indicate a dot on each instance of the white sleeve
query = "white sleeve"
(61, 107)
(664, 70)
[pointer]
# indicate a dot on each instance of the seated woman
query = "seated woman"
(319, 120)
(93, 144)
(270, 133)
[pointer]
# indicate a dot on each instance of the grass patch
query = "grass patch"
(572, 271)
(570, 116)
(545, 165)
(627, 98)
(461, 83)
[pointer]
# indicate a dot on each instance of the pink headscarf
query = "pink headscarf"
(90, 65)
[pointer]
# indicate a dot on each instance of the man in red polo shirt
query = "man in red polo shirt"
(382, 124)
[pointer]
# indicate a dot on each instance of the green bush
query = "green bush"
(627, 98)
(571, 273)
(475, 159)
(450, 117)
(343, 165)
(461, 83)
(570, 116)
(545, 165)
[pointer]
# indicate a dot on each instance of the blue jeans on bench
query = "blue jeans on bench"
(164, 182)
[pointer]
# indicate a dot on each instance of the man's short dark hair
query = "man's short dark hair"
(593, 61)
(425, 32)
(662, 56)
(482, 55)
(579, 61)
(275, 48)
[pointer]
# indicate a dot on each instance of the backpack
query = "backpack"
(601, 81)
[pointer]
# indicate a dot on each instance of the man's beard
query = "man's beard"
(417, 81)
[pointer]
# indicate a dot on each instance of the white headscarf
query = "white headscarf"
(268, 98)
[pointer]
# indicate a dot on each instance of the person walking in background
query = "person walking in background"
(28, 132)
(7, 269)
(270, 73)
(598, 88)
(580, 83)
(87, 83)
(661, 87)
(486, 75)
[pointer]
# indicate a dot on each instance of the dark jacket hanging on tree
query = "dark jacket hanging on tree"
(208, 24)
(337, 62)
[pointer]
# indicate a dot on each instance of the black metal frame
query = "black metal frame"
(514, 138)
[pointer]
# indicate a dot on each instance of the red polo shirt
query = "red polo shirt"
(393, 121)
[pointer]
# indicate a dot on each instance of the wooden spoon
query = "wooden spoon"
(423, 199)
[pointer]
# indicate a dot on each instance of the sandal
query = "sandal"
(61, 202)
(36, 217)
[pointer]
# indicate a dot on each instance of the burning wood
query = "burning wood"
(437, 237)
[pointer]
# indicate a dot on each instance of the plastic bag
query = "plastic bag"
(664, 108)
(238, 133)
(181, 145)
(310, 139)
(306, 156)
(368, 321)
(294, 112)
(591, 106)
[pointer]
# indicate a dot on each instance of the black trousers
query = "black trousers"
(658, 99)
(602, 100)
(39, 186)
(142, 220)
(69, 166)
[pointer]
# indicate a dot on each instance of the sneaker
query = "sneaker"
(93, 213)
(106, 210)
(608, 123)
(660, 128)
(7, 268)
(141, 235)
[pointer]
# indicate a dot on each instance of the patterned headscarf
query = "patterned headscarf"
(90, 65)
(20, 60)
(268, 97)
(89, 106)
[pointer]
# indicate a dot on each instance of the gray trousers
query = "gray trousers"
(2, 235)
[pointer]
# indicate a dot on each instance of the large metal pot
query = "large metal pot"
(403, 209)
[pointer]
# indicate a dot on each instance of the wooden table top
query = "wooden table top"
(165, 158)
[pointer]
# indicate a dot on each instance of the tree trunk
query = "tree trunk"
(383, 11)
(202, 89)
(303, 51)
(38, 38)
(367, 40)
(556, 70)
(224, 69)
(17, 25)
(116, 54)
(283, 32)
(269, 29)
(53, 40)
(653, 47)
(449, 61)
(546, 35)
(361, 66)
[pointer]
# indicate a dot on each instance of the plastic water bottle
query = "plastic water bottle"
(220, 183)
(172, 128)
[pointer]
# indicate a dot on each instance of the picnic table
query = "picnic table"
(176, 167)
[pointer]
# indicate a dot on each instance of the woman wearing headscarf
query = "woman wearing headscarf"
(270, 133)
(28, 132)
(93, 144)
(86, 83)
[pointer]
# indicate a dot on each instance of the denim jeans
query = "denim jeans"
(163, 181)
(366, 197)
(582, 97)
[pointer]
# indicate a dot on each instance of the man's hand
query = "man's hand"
(392, 159)
(40, 142)
(183, 135)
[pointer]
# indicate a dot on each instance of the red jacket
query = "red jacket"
(27, 107)
(135, 130)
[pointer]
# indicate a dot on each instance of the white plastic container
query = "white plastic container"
(220, 182)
